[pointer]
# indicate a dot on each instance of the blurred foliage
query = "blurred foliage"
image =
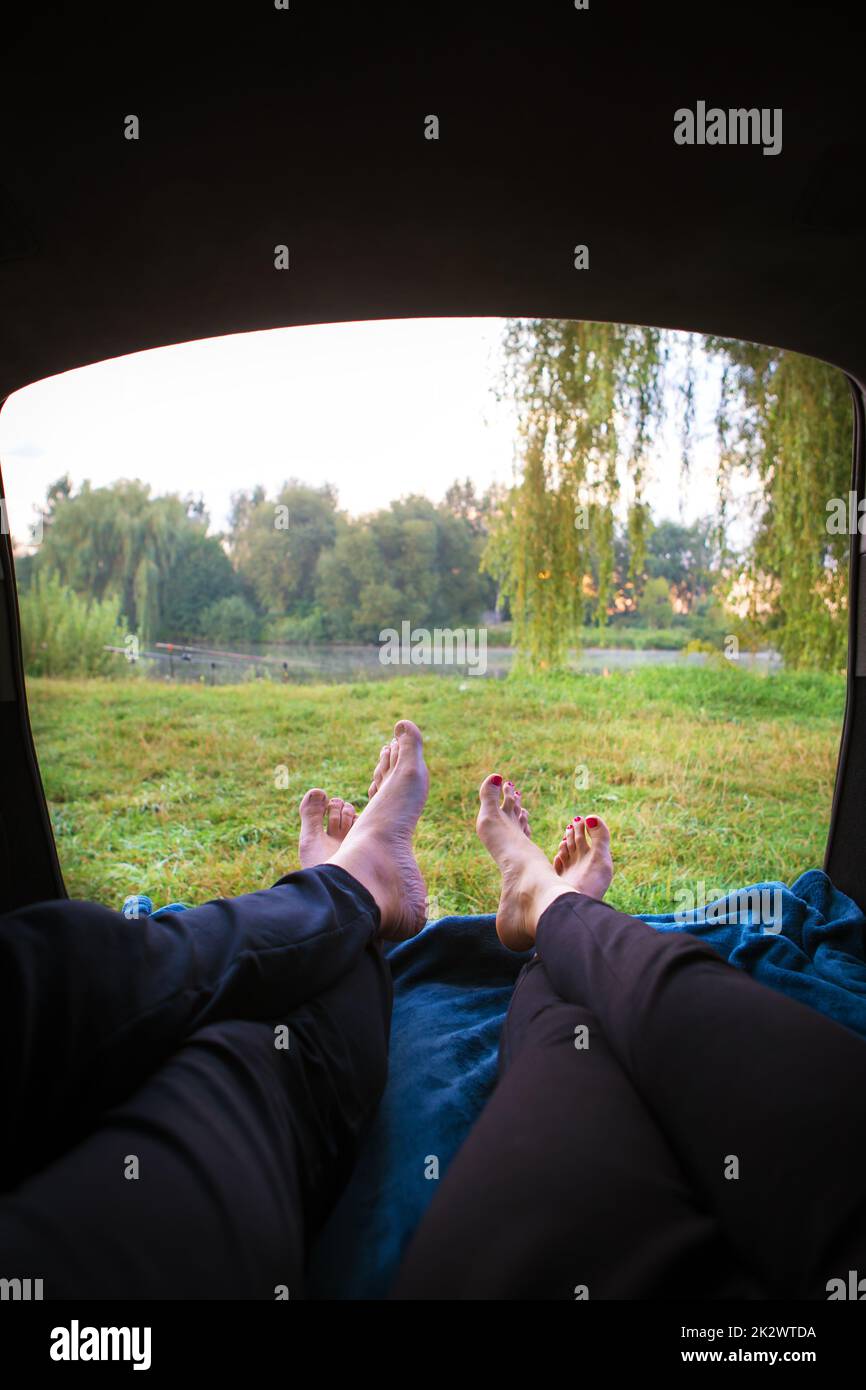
(64, 634)
(588, 397)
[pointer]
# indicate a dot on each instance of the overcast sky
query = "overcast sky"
(379, 409)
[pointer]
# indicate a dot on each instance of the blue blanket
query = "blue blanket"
(452, 984)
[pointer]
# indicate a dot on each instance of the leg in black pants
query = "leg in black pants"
(612, 1166)
(91, 1003)
(240, 1147)
(241, 1151)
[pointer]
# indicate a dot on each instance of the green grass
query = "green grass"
(720, 775)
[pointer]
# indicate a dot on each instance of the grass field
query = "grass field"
(714, 775)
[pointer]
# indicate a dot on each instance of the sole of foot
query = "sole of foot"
(378, 847)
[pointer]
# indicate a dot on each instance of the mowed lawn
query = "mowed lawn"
(177, 791)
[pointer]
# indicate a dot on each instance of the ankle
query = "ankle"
(363, 869)
(543, 893)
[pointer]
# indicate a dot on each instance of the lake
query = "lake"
(339, 662)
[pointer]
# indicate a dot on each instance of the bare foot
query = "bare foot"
(378, 847)
(583, 859)
(529, 884)
(317, 845)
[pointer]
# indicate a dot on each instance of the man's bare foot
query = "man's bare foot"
(319, 844)
(583, 859)
(378, 847)
(529, 884)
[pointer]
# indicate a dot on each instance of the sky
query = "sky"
(379, 409)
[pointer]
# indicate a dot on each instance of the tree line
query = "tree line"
(293, 567)
(287, 567)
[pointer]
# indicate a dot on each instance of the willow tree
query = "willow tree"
(119, 542)
(587, 398)
(785, 427)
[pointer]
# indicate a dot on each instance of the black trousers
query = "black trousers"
(184, 1097)
(663, 1126)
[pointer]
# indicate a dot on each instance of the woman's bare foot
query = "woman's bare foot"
(529, 884)
(377, 850)
(583, 860)
(317, 843)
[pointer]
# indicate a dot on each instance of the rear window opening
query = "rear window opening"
(624, 549)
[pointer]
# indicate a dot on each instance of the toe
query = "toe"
(599, 832)
(490, 792)
(580, 840)
(523, 821)
(335, 807)
(347, 817)
(393, 754)
(313, 805)
(407, 734)
(380, 769)
(407, 745)
(509, 800)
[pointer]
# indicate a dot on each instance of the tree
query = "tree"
(477, 513)
(654, 605)
(351, 566)
(200, 575)
(231, 619)
(586, 395)
(463, 501)
(117, 542)
(411, 561)
(275, 545)
(785, 425)
(684, 557)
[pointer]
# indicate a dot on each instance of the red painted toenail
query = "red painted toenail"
(496, 780)
(576, 821)
(592, 822)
